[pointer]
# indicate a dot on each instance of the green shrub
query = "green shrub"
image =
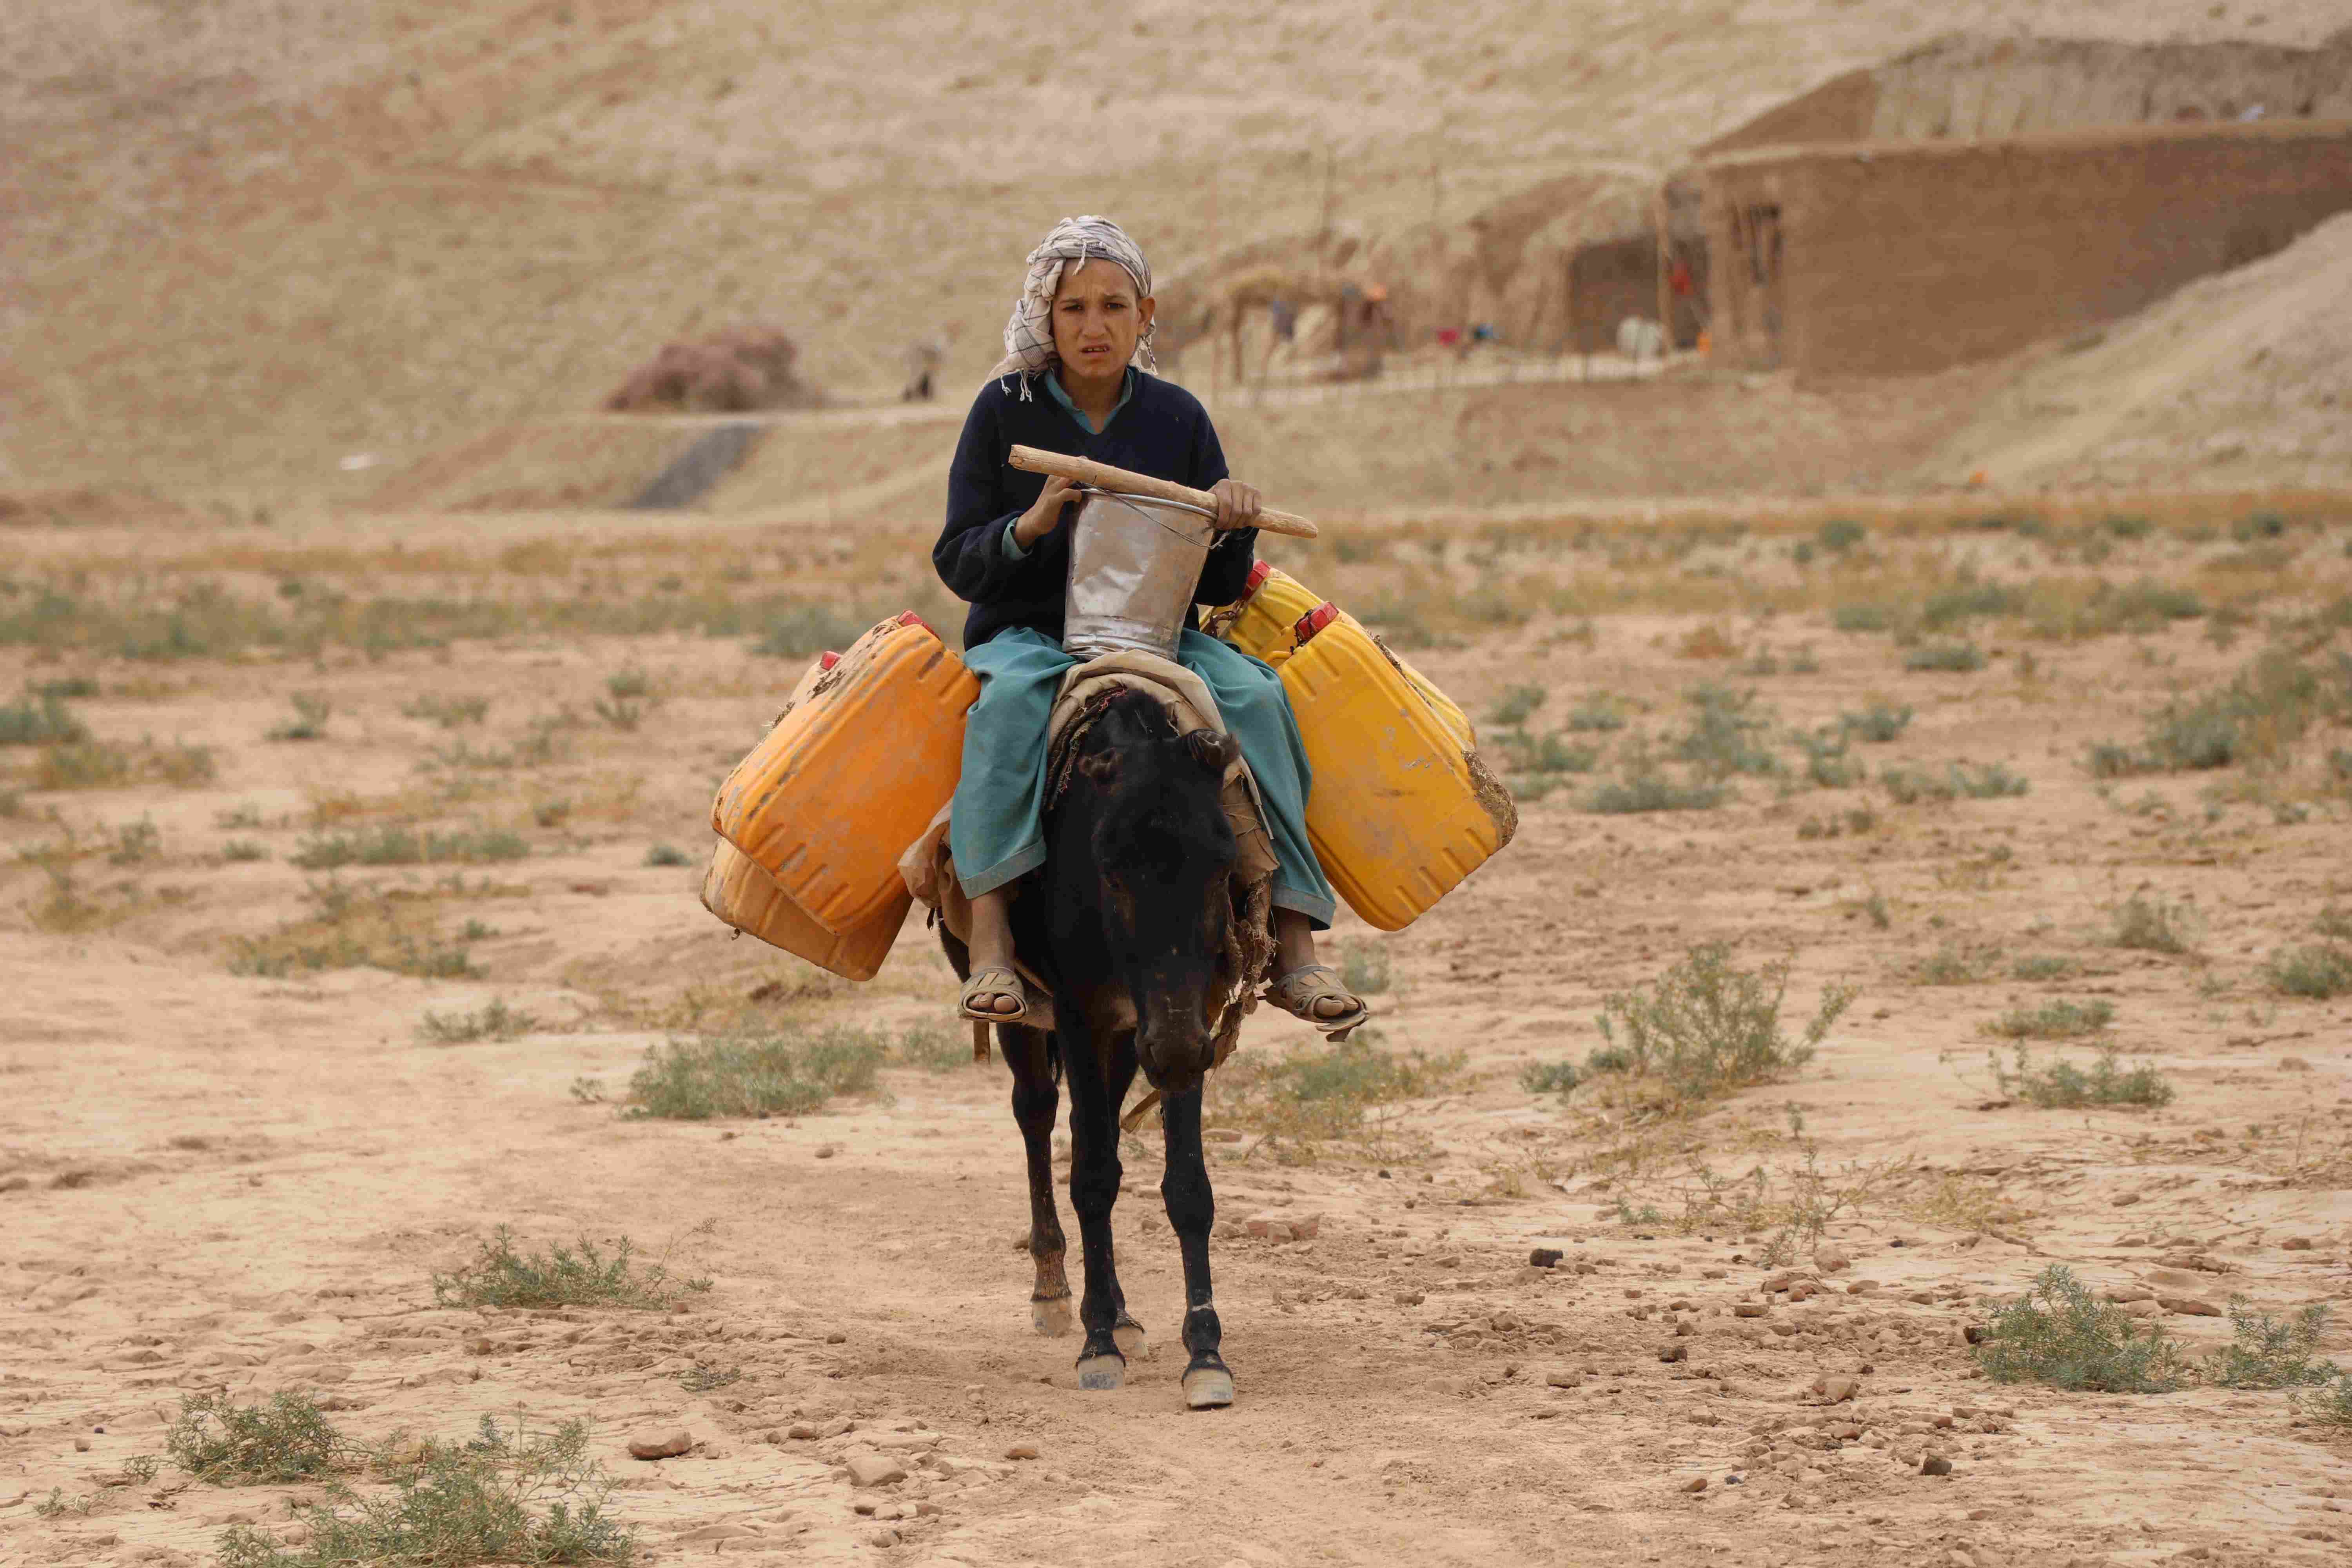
(519, 1498)
(805, 629)
(1598, 711)
(1642, 785)
(581, 1274)
(2057, 1020)
(1545, 754)
(1956, 656)
(1707, 1028)
(628, 698)
(1309, 1095)
(2265, 708)
(394, 843)
(2045, 966)
(783, 1074)
(1517, 705)
(2062, 1086)
(1861, 618)
(1726, 733)
(2129, 527)
(497, 1021)
(2331, 1404)
(2154, 924)
(1364, 966)
(1878, 723)
(286, 1439)
(1957, 964)
(1827, 765)
(39, 719)
(934, 1047)
(1947, 607)
(1550, 1077)
(2060, 1335)
(2318, 970)
(237, 850)
(312, 710)
(1840, 534)
(2265, 1353)
(668, 855)
(449, 713)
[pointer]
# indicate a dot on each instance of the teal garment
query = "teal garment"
(997, 831)
(1126, 391)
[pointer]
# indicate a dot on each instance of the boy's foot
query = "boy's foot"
(994, 995)
(1313, 992)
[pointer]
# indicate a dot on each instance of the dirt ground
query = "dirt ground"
(219, 1179)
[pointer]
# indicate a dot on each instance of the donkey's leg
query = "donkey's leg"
(1036, 1103)
(1191, 1209)
(1094, 1188)
(1124, 1330)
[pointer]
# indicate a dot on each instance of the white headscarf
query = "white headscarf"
(1029, 333)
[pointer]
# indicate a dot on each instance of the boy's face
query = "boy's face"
(1098, 320)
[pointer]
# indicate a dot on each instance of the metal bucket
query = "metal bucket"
(1135, 564)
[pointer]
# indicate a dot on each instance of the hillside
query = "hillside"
(247, 241)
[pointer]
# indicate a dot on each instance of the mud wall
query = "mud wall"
(1885, 260)
(1962, 88)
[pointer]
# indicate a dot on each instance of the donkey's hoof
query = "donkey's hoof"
(1132, 1343)
(1101, 1373)
(1208, 1388)
(1052, 1316)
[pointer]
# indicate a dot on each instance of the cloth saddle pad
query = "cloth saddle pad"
(928, 868)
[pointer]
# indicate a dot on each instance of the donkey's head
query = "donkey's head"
(1149, 897)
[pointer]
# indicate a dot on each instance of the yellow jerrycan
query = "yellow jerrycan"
(852, 772)
(748, 898)
(1274, 617)
(1401, 809)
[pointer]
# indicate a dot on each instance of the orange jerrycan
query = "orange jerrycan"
(748, 898)
(852, 774)
(1277, 612)
(1400, 810)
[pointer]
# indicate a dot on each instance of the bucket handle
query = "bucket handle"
(1104, 477)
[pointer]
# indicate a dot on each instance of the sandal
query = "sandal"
(1297, 992)
(994, 980)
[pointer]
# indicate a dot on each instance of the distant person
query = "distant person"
(1284, 318)
(923, 359)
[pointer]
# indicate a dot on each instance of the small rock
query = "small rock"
(1799, 1289)
(2189, 1306)
(827, 1150)
(868, 1471)
(2145, 1306)
(1830, 1261)
(772, 1435)
(1549, 1258)
(81, 1444)
(2135, 1239)
(801, 1430)
(1837, 1387)
(1935, 1465)
(1306, 1228)
(1564, 1377)
(1695, 1484)
(1674, 1349)
(884, 1536)
(2124, 1200)
(1750, 1310)
(2296, 1244)
(660, 1445)
(837, 1338)
(1410, 1298)
(1022, 1451)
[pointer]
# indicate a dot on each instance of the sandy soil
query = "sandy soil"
(209, 1180)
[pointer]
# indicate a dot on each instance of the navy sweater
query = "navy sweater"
(1162, 431)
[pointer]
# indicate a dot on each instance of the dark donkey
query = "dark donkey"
(1129, 928)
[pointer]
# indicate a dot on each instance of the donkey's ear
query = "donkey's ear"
(1102, 767)
(1213, 751)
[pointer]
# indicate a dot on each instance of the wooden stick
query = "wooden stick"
(1103, 477)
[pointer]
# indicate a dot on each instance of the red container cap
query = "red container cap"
(1314, 621)
(909, 618)
(1259, 573)
(828, 659)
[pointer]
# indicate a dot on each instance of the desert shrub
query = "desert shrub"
(2062, 1086)
(1726, 733)
(2319, 970)
(1840, 534)
(2045, 966)
(934, 1047)
(1336, 1091)
(1545, 754)
(395, 844)
(449, 712)
(2154, 924)
(788, 1073)
(1364, 967)
(1707, 1028)
(1908, 786)
(800, 630)
(39, 718)
(1827, 765)
(2331, 1404)
(1598, 710)
(353, 930)
(1954, 657)
(2060, 1335)
(1948, 607)
(239, 850)
(1517, 705)
(495, 1021)
(668, 855)
(628, 698)
(109, 765)
(501, 1497)
(1957, 964)
(2057, 1020)
(2129, 527)
(285, 1439)
(1878, 723)
(2265, 708)
(312, 710)
(2333, 922)
(2265, 1353)
(1642, 785)
(1550, 1077)
(581, 1274)
(1861, 618)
